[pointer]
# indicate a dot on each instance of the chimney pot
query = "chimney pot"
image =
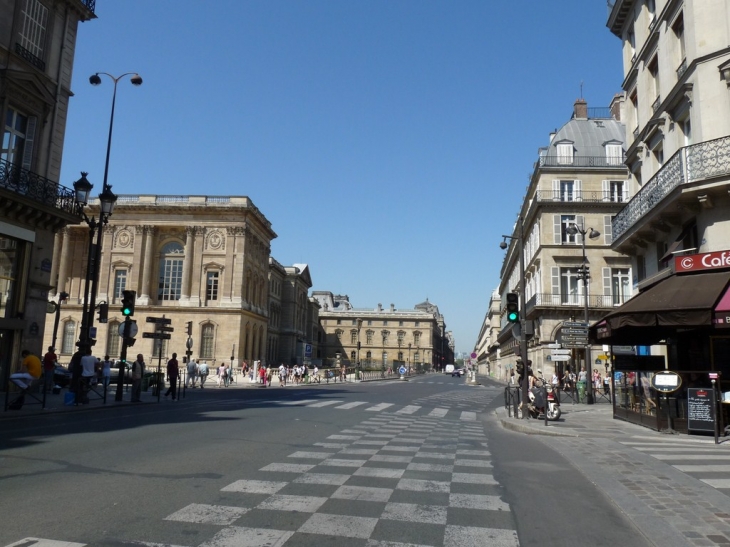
(580, 109)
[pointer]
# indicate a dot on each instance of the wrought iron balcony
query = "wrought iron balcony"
(37, 188)
(549, 300)
(28, 56)
(582, 161)
(578, 196)
(655, 104)
(682, 69)
(692, 163)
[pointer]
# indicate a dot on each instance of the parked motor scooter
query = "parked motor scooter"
(538, 405)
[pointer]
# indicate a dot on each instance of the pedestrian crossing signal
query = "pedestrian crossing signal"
(513, 307)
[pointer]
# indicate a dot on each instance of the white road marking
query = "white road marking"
(379, 407)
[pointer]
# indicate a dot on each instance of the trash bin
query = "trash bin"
(581, 391)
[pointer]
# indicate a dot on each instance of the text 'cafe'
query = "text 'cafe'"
(688, 312)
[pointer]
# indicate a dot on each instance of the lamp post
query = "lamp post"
(385, 337)
(359, 326)
(409, 358)
(55, 307)
(523, 319)
(584, 274)
(107, 200)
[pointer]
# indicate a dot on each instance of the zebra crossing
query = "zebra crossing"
(701, 459)
(339, 404)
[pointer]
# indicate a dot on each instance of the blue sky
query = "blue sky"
(389, 142)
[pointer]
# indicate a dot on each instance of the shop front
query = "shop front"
(688, 312)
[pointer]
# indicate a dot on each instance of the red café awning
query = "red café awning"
(680, 301)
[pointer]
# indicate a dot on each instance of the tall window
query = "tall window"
(16, 125)
(654, 72)
(565, 153)
(620, 285)
(614, 154)
(159, 347)
(615, 191)
(211, 286)
(353, 337)
(369, 356)
(352, 356)
(401, 336)
(112, 339)
(416, 357)
(678, 29)
(338, 333)
(69, 337)
(566, 190)
(369, 338)
(569, 286)
(416, 338)
(120, 284)
(565, 222)
(206, 341)
(686, 128)
(33, 33)
(171, 268)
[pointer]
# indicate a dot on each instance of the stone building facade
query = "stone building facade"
(383, 336)
(37, 49)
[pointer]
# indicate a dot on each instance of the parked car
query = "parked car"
(61, 376)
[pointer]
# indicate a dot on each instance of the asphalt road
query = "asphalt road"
(373, 464)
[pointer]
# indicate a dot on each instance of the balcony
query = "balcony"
(36, 188)
(578, 197)
(690, 164)
(655, 104)
(28, 56)
(682, 69)
(601, 162)
(576, 301)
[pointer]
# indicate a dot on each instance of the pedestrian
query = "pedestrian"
(106, 372)
(282, 375)
(226, 375)
(173, 373)
(202, 373)
(607, 384)
(137, 373)
(192, 373)
(30, 370)
(268, 376)
(315, 374)
(49, 365)
(88, 375)
(262, 375)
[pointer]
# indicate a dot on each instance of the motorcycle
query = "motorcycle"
(537, 407)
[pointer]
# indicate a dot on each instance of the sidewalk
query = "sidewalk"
(669, 507)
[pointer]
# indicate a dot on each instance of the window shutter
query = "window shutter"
(557, 230)
(556, 190)
(626, 190)
(578, 187)
(607, 281)
(555, 279)
(28, 146)
(631, 286)
(606, 185)
(607, 230)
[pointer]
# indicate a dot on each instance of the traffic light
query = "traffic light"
(103, 312)
(513, 307)
(584, 272)
(190, 328)
(128, 298)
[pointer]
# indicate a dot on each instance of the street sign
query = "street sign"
(554, 346)
(159, 320)
(163, 328)
(561, 352)
(574, 331)
(575, 324)
(132, 329)
(560, 358)
(156, 335)
(189, 343)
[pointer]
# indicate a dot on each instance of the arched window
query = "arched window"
(207, 340)
(171, 269)
(69, 336)
(112, 340)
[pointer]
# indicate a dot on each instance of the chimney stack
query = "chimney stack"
(580, 109)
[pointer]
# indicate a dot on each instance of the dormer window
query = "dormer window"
(614, 153)
(565, 153)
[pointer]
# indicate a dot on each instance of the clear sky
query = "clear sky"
(389, 142)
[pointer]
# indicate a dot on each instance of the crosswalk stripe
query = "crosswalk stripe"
(292, 403)
(348, 406)
(379, 407)
(717, 483)
(703, 468)
(323, 403)
(410, 409)
(468, 416)
(439, 412)
(685, 457)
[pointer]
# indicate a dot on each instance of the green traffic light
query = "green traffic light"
(512, 316)
(126, 311)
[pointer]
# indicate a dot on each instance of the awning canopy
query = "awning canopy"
(680, 301)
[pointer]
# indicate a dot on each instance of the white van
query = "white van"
(449, 369)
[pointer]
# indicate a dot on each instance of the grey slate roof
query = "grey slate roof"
(589, 136)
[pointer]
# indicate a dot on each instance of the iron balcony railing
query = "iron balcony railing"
(689, 164)
(40, 189)
(655, 104)
(682, 69)
(28, 56)
(90, 4)
(579, 196)
(582, 161)
(576, 300)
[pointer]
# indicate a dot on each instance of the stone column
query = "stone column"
(195, 266)
(57, 241)
(187, 265)
(107, 245)
(63, 260)
(149, 246)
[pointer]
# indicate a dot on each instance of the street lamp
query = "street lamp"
(55, 307)
(523, 319)
(359, 326)
(107, 199)
(409, 358)
(584, 274)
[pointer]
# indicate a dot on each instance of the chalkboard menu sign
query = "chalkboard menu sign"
(701, 409)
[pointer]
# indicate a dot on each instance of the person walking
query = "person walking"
(49, 365)
(202, 373)
(106, 372)
(192, 373)
(137, 373)
(173, 373)
(221, 373)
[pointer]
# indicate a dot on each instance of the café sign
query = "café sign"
(704, 261)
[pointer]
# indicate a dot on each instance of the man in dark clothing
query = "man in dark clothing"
(173, 373)
(49, 364)
(137, 374)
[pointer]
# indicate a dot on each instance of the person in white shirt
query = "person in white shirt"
(315, 374)
(192, 373)
(282, 375)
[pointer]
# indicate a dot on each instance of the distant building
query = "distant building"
(37, 48)
(383, 336)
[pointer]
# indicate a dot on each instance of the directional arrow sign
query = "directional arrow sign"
(575, 331)
(156, 335)
(159, 320)
(560, 358)
(163, 328)
(575, 324)
(560, 352)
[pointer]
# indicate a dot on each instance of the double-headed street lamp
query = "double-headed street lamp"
(107, 199)
(522, 311)
(585, 275)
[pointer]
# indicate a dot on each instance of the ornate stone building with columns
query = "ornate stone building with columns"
(199, 259)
